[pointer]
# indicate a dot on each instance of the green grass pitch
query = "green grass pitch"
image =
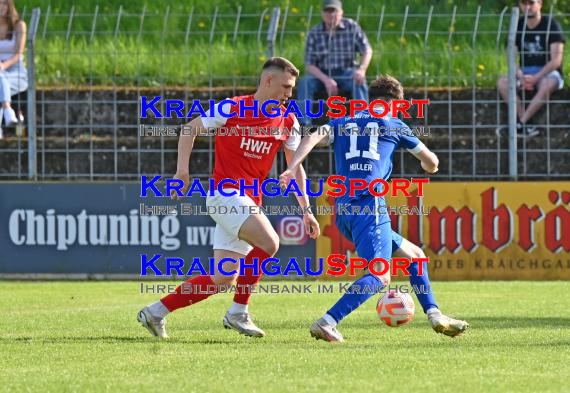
(83, 337)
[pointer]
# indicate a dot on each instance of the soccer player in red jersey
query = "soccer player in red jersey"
(245, 156)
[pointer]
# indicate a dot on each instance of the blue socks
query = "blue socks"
(359, 292)
(367, 286)
(421, 284)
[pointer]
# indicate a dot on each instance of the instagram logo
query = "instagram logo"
(291, 231)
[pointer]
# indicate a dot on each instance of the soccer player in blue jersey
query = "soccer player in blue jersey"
(368, 156)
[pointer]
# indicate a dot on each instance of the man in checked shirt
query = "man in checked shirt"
(330, 58)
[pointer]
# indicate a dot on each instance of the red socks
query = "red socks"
(198, 286)
(242, 296)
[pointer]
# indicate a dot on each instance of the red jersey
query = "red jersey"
(243, 151)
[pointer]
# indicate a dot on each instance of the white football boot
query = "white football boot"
(156, 326)
(446, 325)
(321, 330)
(242, 323)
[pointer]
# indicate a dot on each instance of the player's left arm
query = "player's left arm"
(312, 227)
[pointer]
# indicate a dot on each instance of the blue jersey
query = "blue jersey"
(368, 152)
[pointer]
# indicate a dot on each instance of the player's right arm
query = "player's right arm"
(185, 146)
(307, 144)
(428, 159)
(198, 126)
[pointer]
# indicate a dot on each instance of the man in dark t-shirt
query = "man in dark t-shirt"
(540, 43)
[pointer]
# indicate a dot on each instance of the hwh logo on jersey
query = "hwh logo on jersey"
(255, 146)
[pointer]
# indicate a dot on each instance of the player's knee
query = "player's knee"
(415, 253)
(383, 279)
(270, 244)
(412, 251)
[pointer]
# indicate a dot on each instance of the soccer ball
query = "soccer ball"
(396, 308)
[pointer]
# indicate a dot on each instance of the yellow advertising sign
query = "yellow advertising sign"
(478, 231)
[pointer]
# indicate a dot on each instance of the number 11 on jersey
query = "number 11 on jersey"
(372, 152)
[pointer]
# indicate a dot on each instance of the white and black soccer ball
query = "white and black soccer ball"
(396, 308)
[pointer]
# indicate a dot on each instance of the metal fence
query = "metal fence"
(88, 120)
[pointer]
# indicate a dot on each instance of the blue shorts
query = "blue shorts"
(371, 234)
(554, 75)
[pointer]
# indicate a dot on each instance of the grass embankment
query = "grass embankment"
(173, 45)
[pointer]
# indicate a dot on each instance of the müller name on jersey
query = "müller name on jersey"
(270, 187)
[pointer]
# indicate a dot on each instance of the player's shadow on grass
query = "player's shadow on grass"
(506, 322)
(82, 339)
(119, 339)
(503, 322)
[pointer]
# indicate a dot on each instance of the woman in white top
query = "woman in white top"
(13, 73)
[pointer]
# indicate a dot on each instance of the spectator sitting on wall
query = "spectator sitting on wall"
(540, 44)
(330, 58)
(13, 73)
